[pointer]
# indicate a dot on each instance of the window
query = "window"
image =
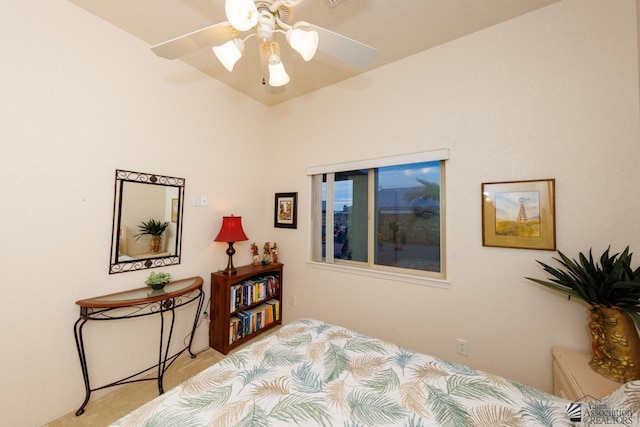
(383, 214)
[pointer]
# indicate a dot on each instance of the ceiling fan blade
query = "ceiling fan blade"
(344, 48)
(196, 40)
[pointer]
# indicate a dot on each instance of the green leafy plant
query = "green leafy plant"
(158, 278)
(151, 227)
(609, 282)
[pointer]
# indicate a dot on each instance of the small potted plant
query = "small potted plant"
(154, 229)
(158, 280)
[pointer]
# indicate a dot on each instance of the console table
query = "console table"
(138, 303)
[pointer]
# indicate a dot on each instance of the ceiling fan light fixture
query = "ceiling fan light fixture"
(242, 14)
(229, 53)
(272, 63)
(277, 74)
(264, 19)
(303, 42)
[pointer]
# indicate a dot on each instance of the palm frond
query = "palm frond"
(335, 362)
(542, 412)
(412, 397)
(495, 415)
(266, 389)
(301, 410)
(458, 368)
(401, 358)
(206, 380)
(336, 395)
(281, 357)
(446, 410)
(239, 360)
(248, 376)
(383, 382)
(255, 417)
(363, 345)
(475, 388)
(374, 408)
(151, 227)
(607, 281)
(430, 370)
(305, 380)
(301, 340)
(366, 366)
(210, 399)
(414, 421)
(228, 416)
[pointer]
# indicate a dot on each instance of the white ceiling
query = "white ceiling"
(397, 28)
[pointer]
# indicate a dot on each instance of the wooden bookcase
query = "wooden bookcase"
(255, 308)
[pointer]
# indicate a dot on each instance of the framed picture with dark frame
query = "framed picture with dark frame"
(519, 214)
(286, 210)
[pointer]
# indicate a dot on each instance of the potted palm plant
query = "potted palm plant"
(154, 229)
(612, 289)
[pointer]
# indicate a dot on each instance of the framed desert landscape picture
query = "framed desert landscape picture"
(519, 214)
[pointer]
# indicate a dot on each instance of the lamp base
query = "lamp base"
(230, 270)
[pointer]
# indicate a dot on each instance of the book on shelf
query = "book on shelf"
(252, 291)
(234, 325)
(244, 323)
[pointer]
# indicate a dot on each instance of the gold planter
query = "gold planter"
(615, 345)
(155, 244)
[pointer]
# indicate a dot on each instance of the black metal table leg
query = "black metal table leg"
(77, 329)
(163, 355)
(195, 324)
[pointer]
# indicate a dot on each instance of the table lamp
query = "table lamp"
(231, 232)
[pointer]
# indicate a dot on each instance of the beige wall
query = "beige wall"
(80, 99)
(550, 94)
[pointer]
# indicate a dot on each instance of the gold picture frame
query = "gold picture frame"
(519, 214)
(175, 206)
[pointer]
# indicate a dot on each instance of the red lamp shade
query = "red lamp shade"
(231, 230)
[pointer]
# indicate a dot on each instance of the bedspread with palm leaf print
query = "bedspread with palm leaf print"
(311, 373)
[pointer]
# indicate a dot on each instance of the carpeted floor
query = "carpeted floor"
(113, 406)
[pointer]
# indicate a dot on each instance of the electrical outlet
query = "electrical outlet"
(462, 347)
(292, 300)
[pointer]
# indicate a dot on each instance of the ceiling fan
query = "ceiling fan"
(265, 18)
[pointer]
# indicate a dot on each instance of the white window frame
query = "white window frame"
(370, 268)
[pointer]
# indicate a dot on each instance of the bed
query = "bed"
(312, 373)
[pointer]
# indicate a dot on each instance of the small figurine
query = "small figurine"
(274, 253)
(266, 254)
(254, 253)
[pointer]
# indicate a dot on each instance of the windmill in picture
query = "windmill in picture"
(522, 213)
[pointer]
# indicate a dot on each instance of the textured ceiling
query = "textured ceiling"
(396, 28)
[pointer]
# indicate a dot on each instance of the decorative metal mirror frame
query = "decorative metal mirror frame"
(122, 176)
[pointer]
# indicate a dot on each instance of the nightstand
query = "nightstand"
(573, 378)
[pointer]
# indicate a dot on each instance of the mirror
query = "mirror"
(147, 221)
